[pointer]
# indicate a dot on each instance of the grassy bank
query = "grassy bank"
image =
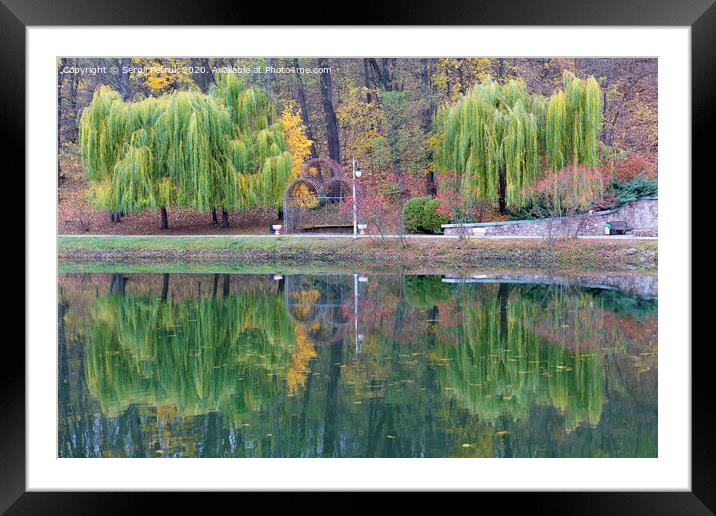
(568, 255)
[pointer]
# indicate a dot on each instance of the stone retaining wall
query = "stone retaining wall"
(641, 217)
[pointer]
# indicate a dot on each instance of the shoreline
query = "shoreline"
(414, 253)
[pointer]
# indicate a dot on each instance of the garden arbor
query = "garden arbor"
(499, 137)
(186, 149)
(315, 303)
(318, 200)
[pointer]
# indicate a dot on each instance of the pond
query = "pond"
(381, 365)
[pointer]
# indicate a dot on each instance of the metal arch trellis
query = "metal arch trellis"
(335, 168)
(321, 204)
(322, 318)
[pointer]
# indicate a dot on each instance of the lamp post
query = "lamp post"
(356, 173)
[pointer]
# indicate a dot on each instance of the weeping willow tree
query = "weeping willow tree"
(499, 137)
(572, 123)
(198, 355)
(505, 367)
(186, 149)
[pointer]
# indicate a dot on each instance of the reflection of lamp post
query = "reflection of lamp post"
(358, 336)
(355, 279)
(356, 173)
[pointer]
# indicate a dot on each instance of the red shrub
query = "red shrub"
(633, 165)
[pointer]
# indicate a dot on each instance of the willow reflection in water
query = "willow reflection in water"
(159, 365)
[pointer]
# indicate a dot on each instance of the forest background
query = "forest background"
(377, 110)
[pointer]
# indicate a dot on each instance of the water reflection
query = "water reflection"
(182, 365)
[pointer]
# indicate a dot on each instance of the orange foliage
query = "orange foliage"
(633, 165)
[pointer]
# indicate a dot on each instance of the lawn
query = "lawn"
(374, 253)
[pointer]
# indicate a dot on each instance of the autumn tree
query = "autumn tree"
(334, 150)
(297, 142)
(497, 136)
(299, 146)
(361, 116)
(186, 149)
(301, 93)
(452, 77)
(159, 76)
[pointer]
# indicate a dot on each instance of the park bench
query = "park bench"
(328, 228)
(618, 227)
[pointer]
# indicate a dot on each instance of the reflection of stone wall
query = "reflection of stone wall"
(641, 217)
(636, 284)
(642, 285)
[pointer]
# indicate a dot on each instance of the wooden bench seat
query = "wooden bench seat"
(618, 227)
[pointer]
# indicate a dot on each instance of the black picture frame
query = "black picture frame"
(700, 15)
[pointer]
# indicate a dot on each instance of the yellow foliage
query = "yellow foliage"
(452, 76)
(162, 75)
(298, 143)
(303, 352)
(304, 301)
(300, 148)
(361, 120)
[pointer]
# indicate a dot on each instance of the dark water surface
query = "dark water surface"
(213, 365)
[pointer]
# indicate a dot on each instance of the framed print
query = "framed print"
(391, 256)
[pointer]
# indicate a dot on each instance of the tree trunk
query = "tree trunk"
(366, 79)
(224, 218)
(604, 115)
(304, 110)
(430, 188)
(124, 77)
(118, 284)
(501, 189)
(214, 220)
(334, 151)
(269, 89)
(73, 104)
(226, 287)
(165, 286)
(503, 294)
(381, 73)
(60, 80)
(384, 81)
(461, 78)
(215, 286)
(427, 121)
(330, 440)
(206, 78)
(165, 220)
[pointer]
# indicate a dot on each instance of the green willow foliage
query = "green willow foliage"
(441, 366)
(187, 149)
(198, 355)
(508, 368)
(498, 129)
(207, 354)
